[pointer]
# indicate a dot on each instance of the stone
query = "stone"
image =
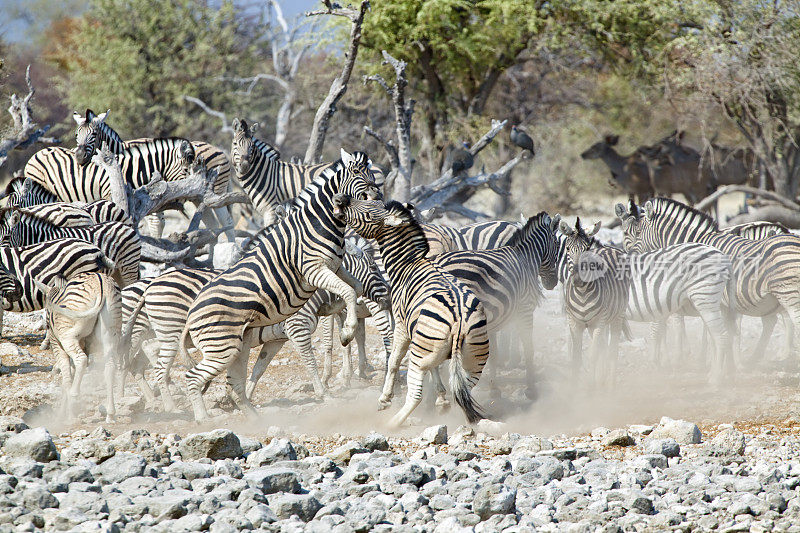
(128, 439)
(305, 506)
(460, 435)
(618, 437)
(37, 497)
(190, 470)
(375, 442)
(260, 514)
(87, 502)
(433, 435)
(276, 450)
(216, 444)
(89, 448)
(122, 466)
(13, 424)
(729, 441)
(192, 522)
(639, 503)
(411, 473)
(666, 447)
(682, 431)
(226, 254)
(36, 444)
(494, 500)
(531, 445)
(346, 451)
(270, 480)
(249, 445)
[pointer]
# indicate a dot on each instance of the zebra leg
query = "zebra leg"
(494, 390)
(348, 278)
(265, 356)
(442, 403)
(385, 324)
(414, 393)
(399, 349)
(613, 353)
(361, 341)
(788, 338)
(225, 220)
(598, 353)
(324, 278)
(237, 373)
(326, 323)
(767, 327)
(154, 224)
(299, 328)
(166, 357)
(657, 330)
(347, 364)
(207, 369)
(575, 346)
(73, 348)
(64, 365)
(791, 303)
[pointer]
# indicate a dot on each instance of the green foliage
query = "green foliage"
(139, 57)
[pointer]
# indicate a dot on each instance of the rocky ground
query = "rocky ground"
(660, 450)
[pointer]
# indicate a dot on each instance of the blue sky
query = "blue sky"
(16, 30)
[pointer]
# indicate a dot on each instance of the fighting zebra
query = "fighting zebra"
(268, 181)
(300, 254)
(436, 316)
(84, 315)
(46, 261)
(118, 242)
(766, 273)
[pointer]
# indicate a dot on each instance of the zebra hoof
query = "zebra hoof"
(383, 405)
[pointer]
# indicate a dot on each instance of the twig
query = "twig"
(226, 128)
(706, 202)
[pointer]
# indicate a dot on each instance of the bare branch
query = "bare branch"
(226, 128)
(706, 202)
(107, 160)
(252, 81)
(339, 86)
(387, 145)
(25, 131)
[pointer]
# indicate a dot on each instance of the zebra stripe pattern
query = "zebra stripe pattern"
(436, 317)
(265, 178)
(478, 236)
(300, 254)
(118, 242)
(766, 275)
(756, 231)
(84, 311)
(91, 132)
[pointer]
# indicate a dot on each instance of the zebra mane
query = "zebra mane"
(107, 130)
(531, 224)
(419, 242)
(266, 149)
(23, 211)
(673, 209)
(15, 185)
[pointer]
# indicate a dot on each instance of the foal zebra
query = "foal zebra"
(268, 181)
(302, 253)
(435, 316)
(118, 242)
(766, 273)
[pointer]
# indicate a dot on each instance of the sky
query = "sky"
(16, 30)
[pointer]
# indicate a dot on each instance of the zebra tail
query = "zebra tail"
(459, 382)
(104, 263)
(626, 330)
(183, 351)
(127, 328)
(78, 315)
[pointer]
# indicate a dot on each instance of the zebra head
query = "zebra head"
(541, 231)
(577, 241)
(243, 148)
(639, 227)
(10, 286)
(9, 218)
(360, 262)
(86, 134)
(359, 170)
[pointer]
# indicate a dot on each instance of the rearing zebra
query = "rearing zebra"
(436, 317)
(301, 253)
(265, 178)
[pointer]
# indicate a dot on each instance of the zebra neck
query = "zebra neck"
(402, 251)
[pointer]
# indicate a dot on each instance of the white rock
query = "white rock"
(433, 435)
(682, 431)
(226, 254)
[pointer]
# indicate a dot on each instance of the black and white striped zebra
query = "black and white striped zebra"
(756, 231)
(84, 316)
(300, 254)
(91, 133)
(478, 236)
(46, 261)
(436, 316)
(766, 272)
(269, 181)
(24, 192)
(118, 242)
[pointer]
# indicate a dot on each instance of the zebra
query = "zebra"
(506, 279)
(300, 254)
(766, 277)
(84, 312)
(118, 242)
(756, 231)
(24, 192)
(435, 316)
(478, 236)
(92, 132)
(268, 181)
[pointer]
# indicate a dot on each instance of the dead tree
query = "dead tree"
(339, 86)
(398, 182)
(25, 131)
(160, 195)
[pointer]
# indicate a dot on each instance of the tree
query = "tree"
(139, 57)
(745, 60)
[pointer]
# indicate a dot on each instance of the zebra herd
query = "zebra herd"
(332, 250)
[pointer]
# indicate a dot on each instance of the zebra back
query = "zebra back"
(478, 236)
(47, 261)
(756, 231)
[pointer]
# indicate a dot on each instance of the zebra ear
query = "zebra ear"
(347, 159)
(79, 119)
(556, 220)
(237, 124)
(99, 119)
(648, 210)
(620, 211)
(187, 151)
(254, 127)
(595, 229)
(351, 248)
(565, 229)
